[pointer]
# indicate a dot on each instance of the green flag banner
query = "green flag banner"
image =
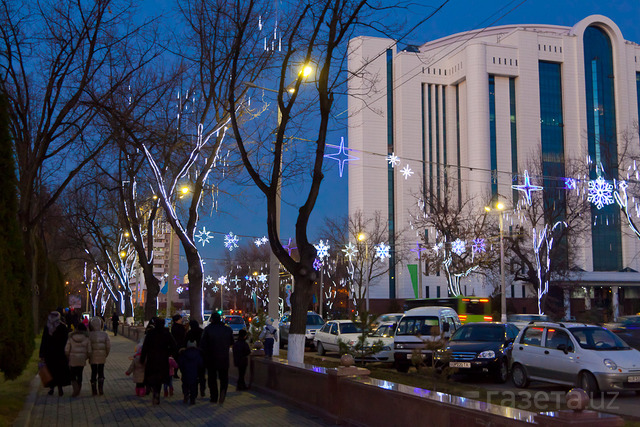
(413, 272)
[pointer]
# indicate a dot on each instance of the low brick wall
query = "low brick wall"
(371, 402)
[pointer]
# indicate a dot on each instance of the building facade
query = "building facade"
(480, 104)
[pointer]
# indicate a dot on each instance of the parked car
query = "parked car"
(627, 328)
(235, 322)
(331, 333)
(522, 320)
(389, 317)
(419, 326)
(479, 348)
(588, 356)
(384, 333)
(314, 323)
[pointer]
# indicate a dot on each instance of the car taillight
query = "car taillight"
(488, 318)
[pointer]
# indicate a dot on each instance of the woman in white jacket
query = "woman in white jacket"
(78, 350)
(100, 347)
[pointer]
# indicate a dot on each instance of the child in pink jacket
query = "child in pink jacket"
(168, 385)
(137, 368)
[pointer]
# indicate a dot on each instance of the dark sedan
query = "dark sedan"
(629, 330)
(479, 348)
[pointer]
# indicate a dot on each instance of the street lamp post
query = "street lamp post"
(363, 238)
(503, 288)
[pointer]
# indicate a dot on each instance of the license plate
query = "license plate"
(634, 379)
(409, 356)
(459, 364)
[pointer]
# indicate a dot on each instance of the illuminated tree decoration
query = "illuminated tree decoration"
(382, 251)
(393, 160)
(262, 278)
(322, 249)
(406, 172)
(288, 247)
(458, 247)
(230, 241)
(350, 251)
(222, 280)
(208, 280)
(527, 188)
(317, 264)
(478, 246)
(204, 236)
(600, 192)
(342, 156)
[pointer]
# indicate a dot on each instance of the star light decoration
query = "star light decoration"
(230, 241)
(204, 236)
(262, 278)
(478, 246)
(317, 264)
(342, 156)
(350, 251)
(288, 247)
(237, 288)
(322, 250)
(393, 160)
(458, 247)
(406, 172)
(570, 183)
(527, 188)
(600, 192)
(382, 251)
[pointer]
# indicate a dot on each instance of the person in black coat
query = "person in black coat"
(216, 340)
(54, 340)
(195, 334)
(116, 321)
(190, 361)
(241, 352)
(158, 346)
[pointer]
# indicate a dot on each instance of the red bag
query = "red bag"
(45, 375)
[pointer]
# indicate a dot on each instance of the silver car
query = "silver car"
(314, 323)
(587, 356)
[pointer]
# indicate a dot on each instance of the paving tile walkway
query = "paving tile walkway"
(119, 406)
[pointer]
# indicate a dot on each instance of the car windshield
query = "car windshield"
(314, 320)
(528, 318)
(492, 333)
(384, 331)
(423, 325)
(235, 320)
(598, 339)
(349, 328)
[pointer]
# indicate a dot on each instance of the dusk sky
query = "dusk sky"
(454, 17)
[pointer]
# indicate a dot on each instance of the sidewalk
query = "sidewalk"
(119, 406)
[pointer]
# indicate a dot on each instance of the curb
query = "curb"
(25, 414)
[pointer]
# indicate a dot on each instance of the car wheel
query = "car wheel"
(588, 383)
(320, 349)
(502, 374)
(519, 376)
(311, 346)
(402, 367)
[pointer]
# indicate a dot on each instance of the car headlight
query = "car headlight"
(399, 345)
(610, 364)
(490, 354)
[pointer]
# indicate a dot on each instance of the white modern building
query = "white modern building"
(481, 103)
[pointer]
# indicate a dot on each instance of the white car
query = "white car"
(383, 333)
(334, 331)
(590, 357)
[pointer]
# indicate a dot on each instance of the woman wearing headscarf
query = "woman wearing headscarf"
(54, 340)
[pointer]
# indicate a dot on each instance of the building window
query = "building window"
(603, 145)
(514, 133)
(492, 137)
(390, 178)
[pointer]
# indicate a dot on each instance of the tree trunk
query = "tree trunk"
(153, 289)
(300, 299)
(195, 284)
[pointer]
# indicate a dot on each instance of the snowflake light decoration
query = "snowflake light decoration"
(406, 172)
(179, 289)
(262, 278)
(204, 236)
(458, 247)
(317, 264)
(527, 188)
(258, 242)
(322, 250)
(393, 160)
(350, 251)
(478, 246)
(265, 240)
(342, 156)
(208, 280)
(600, 192)
(382, 251)
(222, 280)
(215, 289)
(436, 248)
(230, 241)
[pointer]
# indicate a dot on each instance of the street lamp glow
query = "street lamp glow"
(306, 71)
(126, 234)
(184, 190)
(500, 206)
(362, 237)
(123, 254)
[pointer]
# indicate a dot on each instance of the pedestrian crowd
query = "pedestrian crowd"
(199, 357)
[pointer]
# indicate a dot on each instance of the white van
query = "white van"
(418, 326)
